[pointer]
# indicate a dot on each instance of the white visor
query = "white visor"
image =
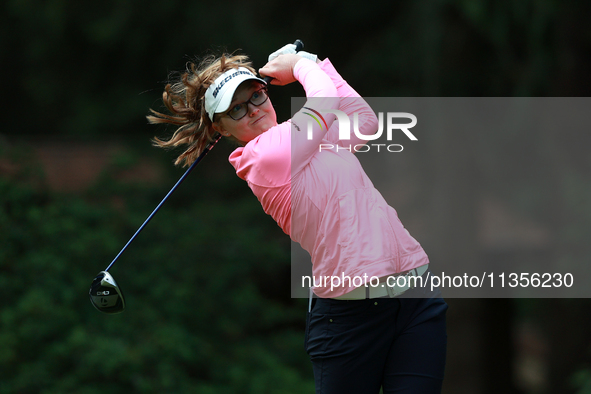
(218, 96)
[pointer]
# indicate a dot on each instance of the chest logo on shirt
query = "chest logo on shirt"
(316, 119)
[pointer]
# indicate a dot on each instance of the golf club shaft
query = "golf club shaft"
(299, 46)
(201, 156)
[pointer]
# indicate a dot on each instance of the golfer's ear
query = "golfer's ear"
(218, 127)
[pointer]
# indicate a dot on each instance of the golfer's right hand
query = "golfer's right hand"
(281, 69)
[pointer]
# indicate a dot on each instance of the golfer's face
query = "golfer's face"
(252, 120)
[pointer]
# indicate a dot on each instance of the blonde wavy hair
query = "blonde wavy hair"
(184, 98)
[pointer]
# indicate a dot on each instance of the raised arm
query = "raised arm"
(351, 102)
(318, 86)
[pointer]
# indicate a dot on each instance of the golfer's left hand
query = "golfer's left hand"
(290, 49)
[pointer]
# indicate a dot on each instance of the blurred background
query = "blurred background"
(207, 283)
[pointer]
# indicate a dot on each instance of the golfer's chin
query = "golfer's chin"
(264, 123)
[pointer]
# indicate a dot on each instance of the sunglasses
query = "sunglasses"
(239, 111)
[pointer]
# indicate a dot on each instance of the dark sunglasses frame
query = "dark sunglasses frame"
(266, 93)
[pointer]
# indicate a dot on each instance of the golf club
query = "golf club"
(105, 294)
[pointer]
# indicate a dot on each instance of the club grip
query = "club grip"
(299, 46)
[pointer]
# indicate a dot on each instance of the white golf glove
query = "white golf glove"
(291, 49)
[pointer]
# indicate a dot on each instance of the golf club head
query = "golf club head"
(105, 295)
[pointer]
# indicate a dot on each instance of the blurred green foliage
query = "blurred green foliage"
(582, 381)
(206, 285)
(92, 70)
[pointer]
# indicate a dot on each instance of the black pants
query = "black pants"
(398, 344)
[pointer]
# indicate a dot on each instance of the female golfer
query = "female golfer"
(386, 333)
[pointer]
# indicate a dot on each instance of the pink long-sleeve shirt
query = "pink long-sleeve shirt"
(323, 199)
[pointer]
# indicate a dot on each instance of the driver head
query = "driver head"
(105, 295)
